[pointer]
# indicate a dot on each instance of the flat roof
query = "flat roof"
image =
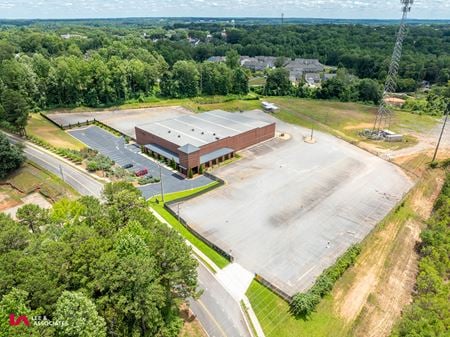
(203, 128)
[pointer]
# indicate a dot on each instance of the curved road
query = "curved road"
(79, 180)
(217, 311)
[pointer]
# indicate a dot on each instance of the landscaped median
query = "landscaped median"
(156, 203)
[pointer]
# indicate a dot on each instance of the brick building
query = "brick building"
(202, 139)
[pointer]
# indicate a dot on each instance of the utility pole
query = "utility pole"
(61, 172)
(442, 133)
(161, 181)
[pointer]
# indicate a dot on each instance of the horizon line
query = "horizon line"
(218, 17)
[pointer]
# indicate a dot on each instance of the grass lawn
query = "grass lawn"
(345, 120)
(273, 314)
(218, 259)
(42, 128)
(31, 177)
(257, 81)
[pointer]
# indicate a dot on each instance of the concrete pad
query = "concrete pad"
(290, 209)
(33, 198)
(235, 279)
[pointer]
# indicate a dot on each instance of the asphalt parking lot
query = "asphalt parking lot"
(122, 120)
(116, 149)
(290, 209)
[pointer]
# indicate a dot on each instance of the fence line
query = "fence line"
(168, 205)
(273, 288)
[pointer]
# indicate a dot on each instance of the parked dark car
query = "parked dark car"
(142, 172)
(127, 166)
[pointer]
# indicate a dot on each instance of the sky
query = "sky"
(346, 9)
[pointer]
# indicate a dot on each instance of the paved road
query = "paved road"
(79, 180)
(116, 149)
(216, 310)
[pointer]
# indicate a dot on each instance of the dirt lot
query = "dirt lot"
(34, 198)
(289, 208)
(122, 120)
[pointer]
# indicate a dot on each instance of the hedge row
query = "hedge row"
(72, 155)
(111, 130)
(304, 303)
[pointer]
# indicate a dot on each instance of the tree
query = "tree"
(369, 91)
(12, 237)
(278, 83)
(15, 109)
(240, 82)
(186, 78)
(215, 78)
(332, 88)
(79, 317)
(232, 59)
(15, 302)
(32, 217)
(304, 303)
(11, 156)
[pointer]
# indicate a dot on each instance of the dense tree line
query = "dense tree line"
(428, 315)
(43, 66)
(343, 87)
(101, 269)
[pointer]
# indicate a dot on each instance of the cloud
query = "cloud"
(237, 8)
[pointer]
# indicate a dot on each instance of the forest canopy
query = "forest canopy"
(104, 269)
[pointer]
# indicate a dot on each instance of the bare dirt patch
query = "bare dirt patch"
(191, 326)
(360, 126)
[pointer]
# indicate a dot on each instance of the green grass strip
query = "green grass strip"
(218, 259)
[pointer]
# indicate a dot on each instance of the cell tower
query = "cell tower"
(384, 115)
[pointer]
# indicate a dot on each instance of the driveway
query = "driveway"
(122, 153)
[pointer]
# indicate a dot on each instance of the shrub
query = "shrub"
(190, 173)
(99, 162)
(304, 303)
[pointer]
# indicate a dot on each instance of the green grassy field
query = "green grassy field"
(218, 259)
(42, 128)
(345, 120)
(273, 314)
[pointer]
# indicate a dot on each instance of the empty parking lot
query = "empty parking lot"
(289, 208)
(122, 120)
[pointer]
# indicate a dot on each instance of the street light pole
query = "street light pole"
(442, 133)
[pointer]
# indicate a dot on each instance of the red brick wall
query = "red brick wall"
(236, 143)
